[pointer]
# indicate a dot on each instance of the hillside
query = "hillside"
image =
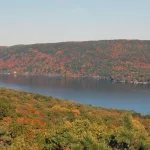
(35, 122)
(121, 59)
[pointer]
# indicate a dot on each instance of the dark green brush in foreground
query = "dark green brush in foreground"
(35, 122)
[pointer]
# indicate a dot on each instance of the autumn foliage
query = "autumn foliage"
(120, 59)
(35, 122)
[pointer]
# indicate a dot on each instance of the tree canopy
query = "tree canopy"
(125, 60)
(35, 122)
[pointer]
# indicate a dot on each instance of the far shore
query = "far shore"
(113, 80)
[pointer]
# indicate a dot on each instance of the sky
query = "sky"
(49, 21)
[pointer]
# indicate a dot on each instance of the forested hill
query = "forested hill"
(122, 59)
(36, 122)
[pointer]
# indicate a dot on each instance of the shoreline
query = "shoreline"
(82, 103)
(113, 80)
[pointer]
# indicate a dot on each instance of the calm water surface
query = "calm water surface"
(89, 91)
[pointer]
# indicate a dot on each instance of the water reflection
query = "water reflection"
(90, 91)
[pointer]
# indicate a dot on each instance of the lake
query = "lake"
(88, 91)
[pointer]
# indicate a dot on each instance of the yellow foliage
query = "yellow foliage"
(68, 123)
(59, 108)
(137, 124)
(76, 111)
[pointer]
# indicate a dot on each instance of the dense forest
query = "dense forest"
(126, 60)
(34, 122)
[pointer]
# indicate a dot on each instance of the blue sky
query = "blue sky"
(42, 21)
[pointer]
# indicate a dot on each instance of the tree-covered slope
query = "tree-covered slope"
(122, 59)
(35, 122)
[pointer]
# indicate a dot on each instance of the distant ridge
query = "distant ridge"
(73, 42)
(121, 59)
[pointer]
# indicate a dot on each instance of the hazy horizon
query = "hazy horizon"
(73, 42)
(27, 22)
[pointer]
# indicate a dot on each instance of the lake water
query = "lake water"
(89, 91)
